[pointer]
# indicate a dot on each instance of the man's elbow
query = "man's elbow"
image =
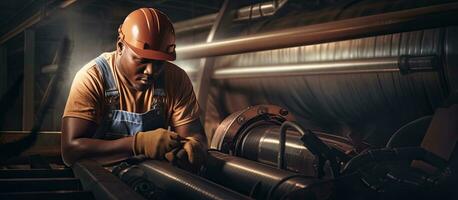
(67, 158)
(70, 153)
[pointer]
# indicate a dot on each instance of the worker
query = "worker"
(132, 101)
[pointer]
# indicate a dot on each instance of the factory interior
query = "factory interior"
(298, 99)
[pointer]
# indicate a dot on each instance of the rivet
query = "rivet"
(262, 110)
(241, 119)
(283, 112)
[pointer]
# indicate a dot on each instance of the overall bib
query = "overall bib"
(119, 123)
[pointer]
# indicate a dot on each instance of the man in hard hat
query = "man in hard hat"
(133, 101)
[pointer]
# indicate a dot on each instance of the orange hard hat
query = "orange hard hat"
(149, 33)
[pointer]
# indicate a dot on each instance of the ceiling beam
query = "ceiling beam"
(34, 19)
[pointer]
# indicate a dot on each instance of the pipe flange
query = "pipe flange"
(227, 132)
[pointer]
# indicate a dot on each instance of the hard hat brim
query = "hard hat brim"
(152, 54)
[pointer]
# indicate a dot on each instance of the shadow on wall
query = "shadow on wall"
(91, 34)
(15, 148)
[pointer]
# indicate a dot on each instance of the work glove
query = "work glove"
(191, 156)
(154, 144)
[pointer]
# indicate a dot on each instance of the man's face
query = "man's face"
(138, 71)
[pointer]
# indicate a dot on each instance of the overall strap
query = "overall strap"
(158, 106)
(111, 92)
(159, 85)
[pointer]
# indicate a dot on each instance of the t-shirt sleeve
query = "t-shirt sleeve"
(185, 108)
(85, 99)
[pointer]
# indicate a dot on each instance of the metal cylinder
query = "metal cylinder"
(251, 178)
(184, 185)
(404, 64)
(254, 133)
(261, 144)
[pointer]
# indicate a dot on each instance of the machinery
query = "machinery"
(257, 153)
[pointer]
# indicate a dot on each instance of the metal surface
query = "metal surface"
(281, 146)
(185, 185)
(229, 129)
(399, 21)
(314, 144)
(245, 13)
(101, 182)
(261, 144)
(249, 177)
(368, 65)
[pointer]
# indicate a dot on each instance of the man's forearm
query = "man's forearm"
(103, 151)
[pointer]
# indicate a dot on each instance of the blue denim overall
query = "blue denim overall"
(119, 123)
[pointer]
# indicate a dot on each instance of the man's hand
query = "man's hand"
(191, 156)
(196, 151)
(154, 144)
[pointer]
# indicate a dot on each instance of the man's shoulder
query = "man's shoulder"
(178, 79)
(174, 69)
(175, 73)
(90, 70)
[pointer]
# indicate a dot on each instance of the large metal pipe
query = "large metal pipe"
(248, 177)
(399, 21)
(102, 183)
(205, 21)
(405, 64)
(184, 185)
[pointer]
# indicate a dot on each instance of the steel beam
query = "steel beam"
(28, 112)
(223, 20)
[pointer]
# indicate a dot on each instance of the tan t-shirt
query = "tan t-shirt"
(86, 98)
